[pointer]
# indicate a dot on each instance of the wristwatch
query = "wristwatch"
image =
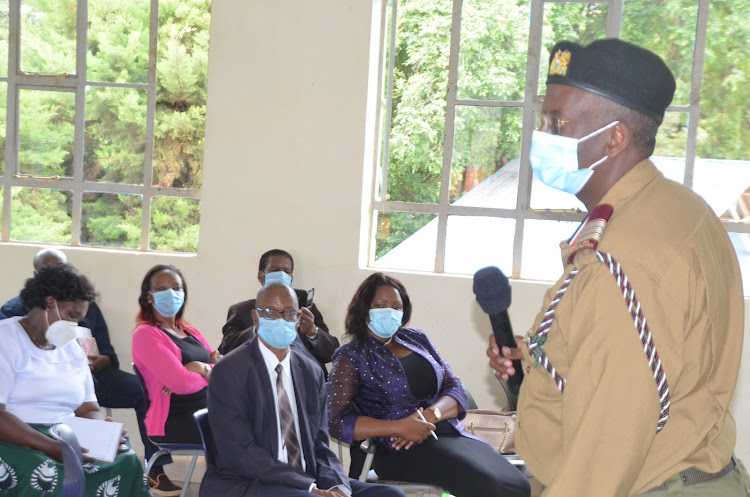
(314, 336)
(435, 411)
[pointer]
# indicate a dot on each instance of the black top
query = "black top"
(192, 350)
(420, 375)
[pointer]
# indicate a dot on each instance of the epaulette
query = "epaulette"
(591, 231)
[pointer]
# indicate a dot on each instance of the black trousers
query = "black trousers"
(117, 389)
(463, 466)
(180, 427)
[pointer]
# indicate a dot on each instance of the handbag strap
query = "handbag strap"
(535, 343)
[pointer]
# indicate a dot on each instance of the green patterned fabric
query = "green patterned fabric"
(26, 472)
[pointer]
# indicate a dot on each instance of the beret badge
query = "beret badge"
(559, 64)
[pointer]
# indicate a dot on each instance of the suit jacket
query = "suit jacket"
(239, 329)
(242, 417)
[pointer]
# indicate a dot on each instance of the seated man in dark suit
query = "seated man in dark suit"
(313, 337)
(114, 388)
(268, 417)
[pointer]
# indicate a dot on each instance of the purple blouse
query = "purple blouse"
(367, 373)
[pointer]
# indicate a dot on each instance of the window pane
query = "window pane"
(474, 242)
(578, 22)
(40, 215)
(420, 84)
(671, 140)
(46, 120)
(48, 36)
(494, 43)
(642, 18)
(111, 220)
(741, 242)
(724, 127)
(118, 41)
(3, 126)
(4, 42)
(182, 66)
(484, 171)
(175, 223)
(540, 257)
(406, 240)
(115, 135)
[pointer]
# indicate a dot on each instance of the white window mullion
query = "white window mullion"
(80, 121)
(148, 160)
(11, 116)
(699, 57)
(450, 128)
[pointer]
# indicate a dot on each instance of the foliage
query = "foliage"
(115, 142)
(492, 67)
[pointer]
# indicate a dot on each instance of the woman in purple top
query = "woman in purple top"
(389, 383)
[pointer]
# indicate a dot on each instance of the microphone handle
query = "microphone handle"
(504, 337)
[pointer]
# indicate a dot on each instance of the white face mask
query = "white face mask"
(554, 159)
(61, 332)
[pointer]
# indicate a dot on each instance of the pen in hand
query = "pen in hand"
(431, 432)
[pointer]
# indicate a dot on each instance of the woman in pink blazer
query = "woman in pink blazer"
(175, 362)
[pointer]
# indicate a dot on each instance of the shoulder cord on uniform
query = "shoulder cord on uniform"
(536, 342)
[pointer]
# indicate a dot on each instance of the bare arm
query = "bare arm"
(16, 432)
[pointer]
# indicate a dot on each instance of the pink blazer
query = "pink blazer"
(159, 361)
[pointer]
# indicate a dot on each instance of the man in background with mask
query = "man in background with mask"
(267, 413)
(114, 388)
(628, 377)
(314, 340)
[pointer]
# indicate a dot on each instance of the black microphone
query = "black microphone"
(493, 293)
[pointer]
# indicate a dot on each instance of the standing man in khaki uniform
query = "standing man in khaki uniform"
(628, 378)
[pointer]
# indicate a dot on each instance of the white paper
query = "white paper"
(101, 438)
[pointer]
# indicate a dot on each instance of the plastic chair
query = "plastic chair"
(201, 419)
(193, 450)
(74, 483)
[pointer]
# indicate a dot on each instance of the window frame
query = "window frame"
(17, 80)
(532, 100)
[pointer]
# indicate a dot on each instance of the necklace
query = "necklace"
(46, 346)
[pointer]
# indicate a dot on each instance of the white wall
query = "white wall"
(285, 148)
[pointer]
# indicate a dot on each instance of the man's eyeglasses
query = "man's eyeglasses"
(553, 125)
(288, 315)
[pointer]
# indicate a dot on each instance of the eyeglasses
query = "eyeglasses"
(552, 124)
(288, 315)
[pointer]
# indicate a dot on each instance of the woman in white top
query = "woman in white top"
(45, 376)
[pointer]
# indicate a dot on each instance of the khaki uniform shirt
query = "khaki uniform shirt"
(599, 437)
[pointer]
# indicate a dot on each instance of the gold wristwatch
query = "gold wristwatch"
(435, 411)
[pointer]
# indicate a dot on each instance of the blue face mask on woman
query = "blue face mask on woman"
(278, 333)
(277, 276)
(385, 322)
(554, 159)
(168, 302)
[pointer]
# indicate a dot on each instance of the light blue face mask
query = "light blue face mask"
(168, 302)
(554, 159)
(385, 322)
(278, 333)
(277, 276)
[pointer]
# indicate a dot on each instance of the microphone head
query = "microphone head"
(492, 290)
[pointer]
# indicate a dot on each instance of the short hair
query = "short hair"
(146, 314)
(359, 307)
(273, 286)
(644, 127)
(43, 254)
(264, 258)
(62, 282)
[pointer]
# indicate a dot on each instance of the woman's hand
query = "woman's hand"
(410, 430)
(215, 356)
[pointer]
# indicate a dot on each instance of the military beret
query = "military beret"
(617, 70)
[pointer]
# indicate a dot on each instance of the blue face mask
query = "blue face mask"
(277, 276)
(168, 302)
(278, 333)
(554, 159)
(385, 322)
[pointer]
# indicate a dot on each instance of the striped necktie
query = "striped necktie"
(286, 419)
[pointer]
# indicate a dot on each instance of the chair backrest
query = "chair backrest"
(74, 483)
(204, 428)
(472, 403)
(143, 385)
